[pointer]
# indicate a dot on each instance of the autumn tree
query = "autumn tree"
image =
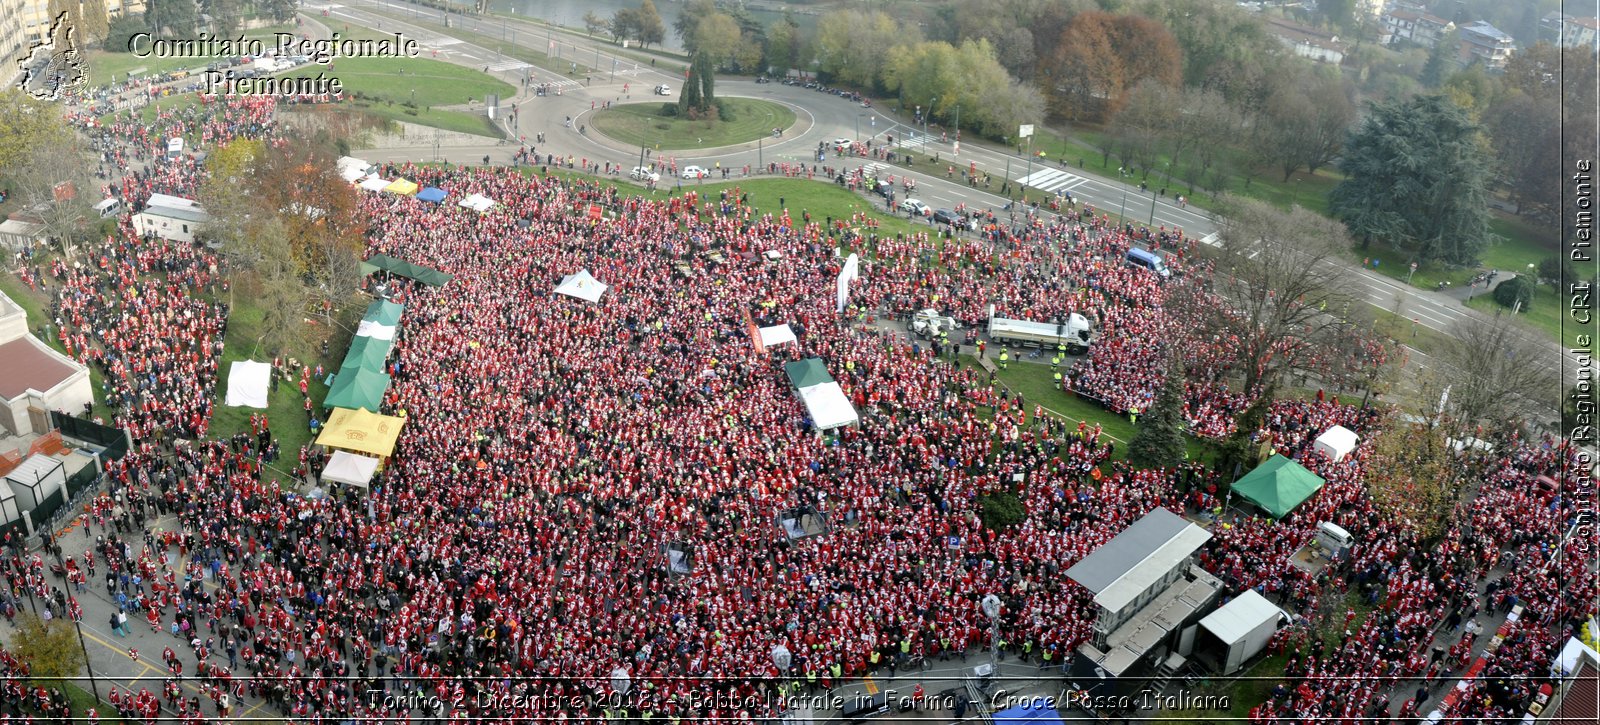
(594, 24)
(783, 45)
(648, 27)
(87, 19)
(52, 181)
(716, 37)
(1276, 292)
(50, 648)
(853, 46)
(1100, 57)
(1413, 475)
(1496, 375)
(1306, 120)
(970, 78)
(686, 26)
(1224, 48)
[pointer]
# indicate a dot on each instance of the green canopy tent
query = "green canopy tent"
(1278, 486)
(368, 353)
(384, 313)
(356, 387)
(807, 373)
(386, 263)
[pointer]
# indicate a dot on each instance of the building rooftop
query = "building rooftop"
(1134, 559)
(1482, 28)
(25, 363)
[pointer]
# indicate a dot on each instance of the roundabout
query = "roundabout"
(645, 124)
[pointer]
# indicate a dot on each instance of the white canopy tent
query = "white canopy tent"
(582, 286)
(352, 169)
(345, 467)
(1336, 442)
(477, 202)
(776, 335)
(369, 328)
(248, 383)
(375, 183)
(828, 405)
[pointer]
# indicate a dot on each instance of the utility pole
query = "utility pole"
(957, 151)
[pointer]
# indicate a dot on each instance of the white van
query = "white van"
(110, 207)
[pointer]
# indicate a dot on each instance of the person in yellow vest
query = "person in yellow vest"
(1133, 416)
(1057, 377)
(1005, 358)
(1055, 362)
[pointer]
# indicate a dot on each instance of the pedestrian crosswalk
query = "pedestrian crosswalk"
(1052, 180)
(507, 65)
(870, 171)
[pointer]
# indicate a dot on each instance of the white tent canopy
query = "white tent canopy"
(248, 383)
(374, 183)
(776, 335)
(828, 405)
(368, 328)
(477, 202)
(1336, 442)
(350, 468)
(582, 286)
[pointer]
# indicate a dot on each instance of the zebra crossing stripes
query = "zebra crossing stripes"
(870, 171)
(1052, 180)
(508, 65)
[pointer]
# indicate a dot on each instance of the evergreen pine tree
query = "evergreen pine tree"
(1159, 441)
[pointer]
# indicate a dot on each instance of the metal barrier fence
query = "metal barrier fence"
(113, 440)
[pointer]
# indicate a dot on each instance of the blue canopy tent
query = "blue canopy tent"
(1022, 714)
(432, 194)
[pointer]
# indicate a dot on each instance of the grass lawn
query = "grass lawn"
(385, 86)
(1516, 245)
(1243, 693)
(1307, 190)
(284, 411)
(641, 124)
(1546, 314)
(1037, 386)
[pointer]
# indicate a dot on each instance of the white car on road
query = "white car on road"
(641, 173)
(695, 172)
(914, 206)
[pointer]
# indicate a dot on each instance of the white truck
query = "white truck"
(929, 323)
(1329, 545)
(1074, 332)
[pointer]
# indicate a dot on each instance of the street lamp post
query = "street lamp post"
(1152, 221)
(94, 685)
(925, 137)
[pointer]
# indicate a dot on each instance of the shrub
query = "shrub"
(724, 109)
(1001, 510)
(668, 110)
(1514, 290)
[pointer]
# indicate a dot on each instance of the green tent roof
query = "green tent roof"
(356, 387)
(806, 373)
(1278, 486)
(425, 275)
(384, 313)
(369, 353)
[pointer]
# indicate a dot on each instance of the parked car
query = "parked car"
(695, 172)
(915, 206)
(663, 90)
(945, 216)
(641, 173)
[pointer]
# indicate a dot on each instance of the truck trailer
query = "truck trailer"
(1074, 332)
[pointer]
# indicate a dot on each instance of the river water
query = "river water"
(570, 13)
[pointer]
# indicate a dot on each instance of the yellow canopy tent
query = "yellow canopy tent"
(401, 186)
(359, 431)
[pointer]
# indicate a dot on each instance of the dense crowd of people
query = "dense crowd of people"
(510, 560)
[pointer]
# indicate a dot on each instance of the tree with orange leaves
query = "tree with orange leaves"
(1099, 59)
